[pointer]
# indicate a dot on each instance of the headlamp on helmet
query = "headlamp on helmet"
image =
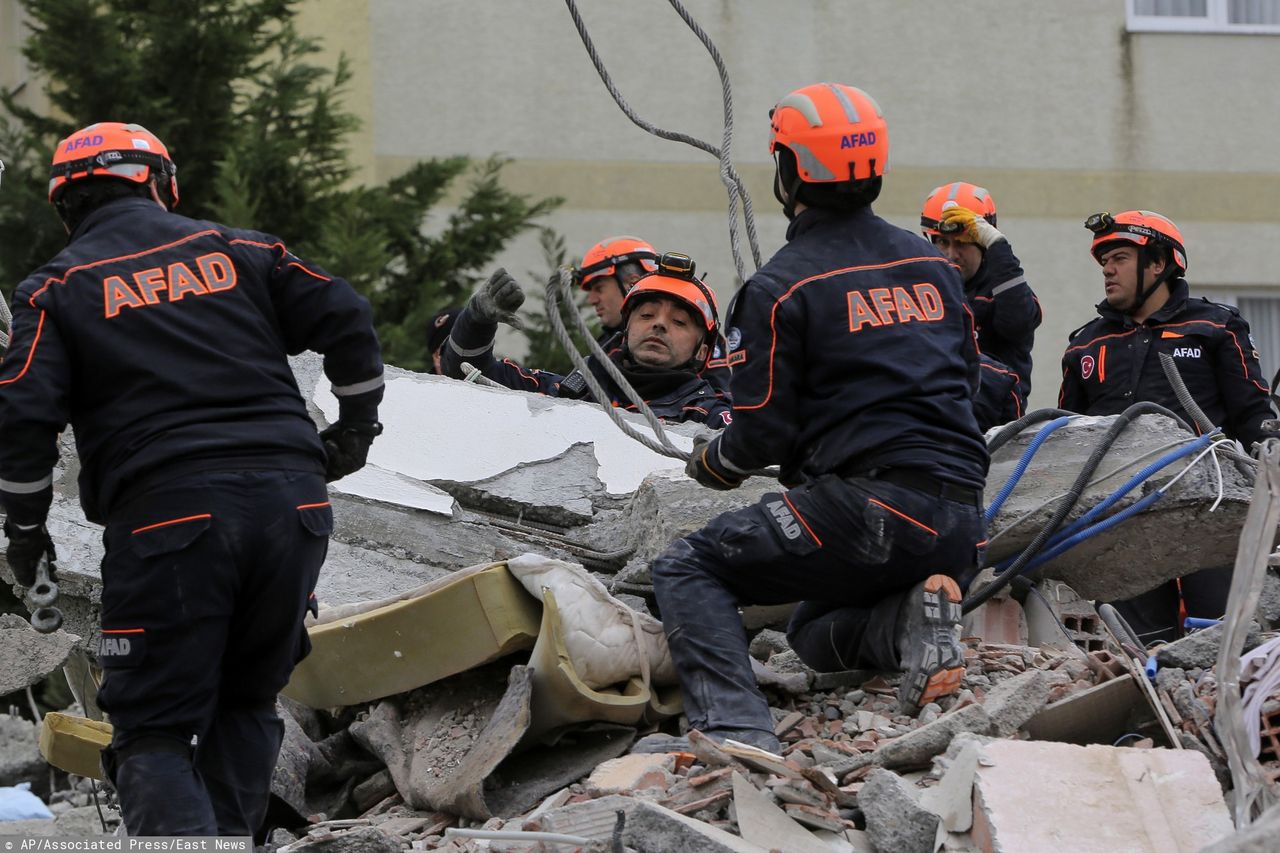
(1142, 228)
(676, 278)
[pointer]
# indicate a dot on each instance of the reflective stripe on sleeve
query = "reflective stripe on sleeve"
(30, 488)
(358, 387)
(1013, 282)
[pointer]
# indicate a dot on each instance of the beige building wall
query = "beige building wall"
(1053, 106)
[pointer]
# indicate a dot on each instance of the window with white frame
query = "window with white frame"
(1204, 16)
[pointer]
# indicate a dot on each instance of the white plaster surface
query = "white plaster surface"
(442, 429)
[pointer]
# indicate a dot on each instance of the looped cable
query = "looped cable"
(560, 287)
(728, 175)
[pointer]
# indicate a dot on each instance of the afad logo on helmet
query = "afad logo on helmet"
(858, 140)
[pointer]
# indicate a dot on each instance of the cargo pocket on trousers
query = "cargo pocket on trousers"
(317, 520)
(797, 538)
(142, 586)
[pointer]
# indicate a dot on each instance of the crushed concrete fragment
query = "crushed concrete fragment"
(768, 643)
(762, 823)
(952, 798)
(895, 820)
(650, 828)
(1199, 649)
(20, 759)
(1015, 700)
(361, 839)
(918, 747)
(28, 657)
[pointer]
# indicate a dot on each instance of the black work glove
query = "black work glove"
(346, 447)
(25, 549)
(498, 299)
(704, 465)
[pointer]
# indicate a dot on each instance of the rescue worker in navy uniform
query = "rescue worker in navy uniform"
(854, 375)
(670, 324)
(1113, 362)
(609, 270)
(164, 342)
(960, 220)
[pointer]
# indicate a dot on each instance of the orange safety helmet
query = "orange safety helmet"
(957, 194)
(1142, 227)
(836, 132)
(675, 278)
(604, 258)
(112, 149)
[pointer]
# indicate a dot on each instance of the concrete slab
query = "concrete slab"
(26, 656)
(651, 828)
(1095, 798)
(1139, 554)
(895, 819)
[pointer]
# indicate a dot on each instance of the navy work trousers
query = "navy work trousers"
(847, 548)
(206, 581)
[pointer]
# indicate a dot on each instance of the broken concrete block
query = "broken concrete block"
(651, 828)
(1015, 700)
(952, 798)
(918, 747)
(634, 772)
(1199, 649)
(1138, 554)
(668, 505)
(591, 819)
(442, 743)
(28, 657)
(768, 643)
(458, 622)
(360, 839)
(558, 490)
(895, 820)
(20, 759)
(1099, 797)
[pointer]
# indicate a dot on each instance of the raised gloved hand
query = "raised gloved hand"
(498, 299)
(704, 464)
(964, 224)
(26, 547)
(346, 447)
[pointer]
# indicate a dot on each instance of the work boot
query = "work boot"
(928, 638)
(659, 742)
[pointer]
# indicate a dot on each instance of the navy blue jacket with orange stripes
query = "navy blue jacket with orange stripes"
(1005, 311)
(671, 395)
(1112, 363)
(857, 352)
(163, 341)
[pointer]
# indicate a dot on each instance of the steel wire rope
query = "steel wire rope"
(728, 175)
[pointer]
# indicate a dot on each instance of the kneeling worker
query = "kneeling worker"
(670, 324)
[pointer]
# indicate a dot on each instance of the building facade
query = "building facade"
(1059, 109)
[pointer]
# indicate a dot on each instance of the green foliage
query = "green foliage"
(258, 131)
(545, 351)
